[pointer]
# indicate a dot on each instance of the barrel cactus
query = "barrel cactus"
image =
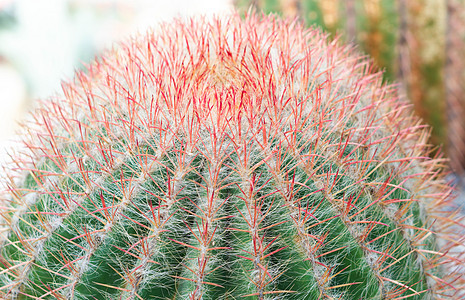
(227, 159)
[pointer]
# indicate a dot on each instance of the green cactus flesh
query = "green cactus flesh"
(226, 159)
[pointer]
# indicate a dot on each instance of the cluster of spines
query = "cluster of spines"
(227, 158)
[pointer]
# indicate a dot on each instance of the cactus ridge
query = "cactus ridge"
(225, 159)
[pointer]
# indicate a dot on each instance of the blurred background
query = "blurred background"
(420, 44)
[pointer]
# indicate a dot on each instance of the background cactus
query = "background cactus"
(228, 159)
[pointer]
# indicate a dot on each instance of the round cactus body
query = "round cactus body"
(227, 159)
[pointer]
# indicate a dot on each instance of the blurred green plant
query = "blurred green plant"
(406, 39)
(7, 19)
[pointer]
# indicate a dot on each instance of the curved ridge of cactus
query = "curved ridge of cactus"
(228, 159)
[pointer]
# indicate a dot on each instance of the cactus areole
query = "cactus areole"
(227, 159)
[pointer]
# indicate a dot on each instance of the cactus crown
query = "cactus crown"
(225, 159)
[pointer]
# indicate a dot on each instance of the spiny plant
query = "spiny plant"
(405, 38)
(228, 159)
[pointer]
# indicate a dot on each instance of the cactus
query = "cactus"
(225, 159)
(386, 30)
